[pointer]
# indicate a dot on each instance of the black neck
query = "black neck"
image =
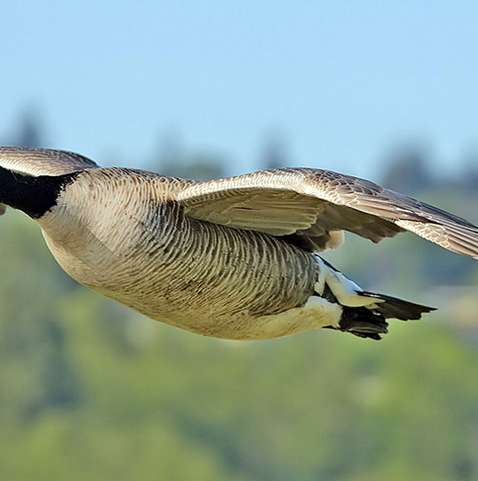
(32, 195)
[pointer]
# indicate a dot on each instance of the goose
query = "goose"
(233, 258)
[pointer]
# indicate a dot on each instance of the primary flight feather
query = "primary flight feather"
(234, 258)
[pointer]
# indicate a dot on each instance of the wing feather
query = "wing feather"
(311, 206)
(37, 162)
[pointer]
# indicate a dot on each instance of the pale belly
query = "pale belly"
(314, 314)
(206, 281)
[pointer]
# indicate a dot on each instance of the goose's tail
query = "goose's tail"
(364, 313)
(371, 320)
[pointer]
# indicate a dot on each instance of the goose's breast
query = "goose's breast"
(199, 276)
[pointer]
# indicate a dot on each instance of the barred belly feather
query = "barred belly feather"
(200, 276)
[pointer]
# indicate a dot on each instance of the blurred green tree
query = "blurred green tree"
(92, 390)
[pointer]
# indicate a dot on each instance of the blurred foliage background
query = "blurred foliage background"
(92, 390)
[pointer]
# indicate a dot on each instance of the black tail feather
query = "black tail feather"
(371, 321)
(363, 322)
(394, 308)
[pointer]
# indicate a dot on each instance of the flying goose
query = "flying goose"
(235, 258)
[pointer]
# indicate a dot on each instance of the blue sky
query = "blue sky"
(341, 80)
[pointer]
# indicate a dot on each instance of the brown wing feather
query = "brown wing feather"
(310, 206)
(42, 161)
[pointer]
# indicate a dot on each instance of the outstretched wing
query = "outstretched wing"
(42, 161)
(311, 208)
(35, 162)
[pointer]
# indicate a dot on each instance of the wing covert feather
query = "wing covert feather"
(310, 206)
(42, 161)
